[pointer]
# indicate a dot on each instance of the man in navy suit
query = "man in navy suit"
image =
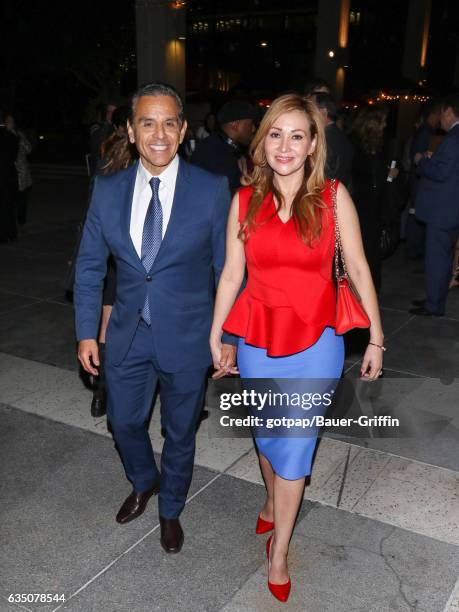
(437, 205)
(164, 222)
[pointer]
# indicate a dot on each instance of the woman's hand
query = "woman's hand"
(223, 357)
(372, 363)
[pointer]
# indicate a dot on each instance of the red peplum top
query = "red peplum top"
(290, 296)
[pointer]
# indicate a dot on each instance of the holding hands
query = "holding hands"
(223, 357)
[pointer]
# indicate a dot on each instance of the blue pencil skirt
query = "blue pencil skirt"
(291, 457)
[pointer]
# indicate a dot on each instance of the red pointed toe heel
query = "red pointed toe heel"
(280, 591)
(263, 526)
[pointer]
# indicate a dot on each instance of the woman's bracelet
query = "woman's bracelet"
(383, 348)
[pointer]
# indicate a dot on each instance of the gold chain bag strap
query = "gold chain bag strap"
(349, 310)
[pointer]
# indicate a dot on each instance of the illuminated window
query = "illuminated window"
(354, 17)
(198, 27)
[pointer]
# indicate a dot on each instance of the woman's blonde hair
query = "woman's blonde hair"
(307, 202)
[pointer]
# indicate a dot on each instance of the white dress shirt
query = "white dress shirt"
(143, 194)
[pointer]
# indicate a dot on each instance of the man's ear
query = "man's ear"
(130, 132)
(323, 112)
(183, 131)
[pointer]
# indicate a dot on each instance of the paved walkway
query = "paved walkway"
(379, 526)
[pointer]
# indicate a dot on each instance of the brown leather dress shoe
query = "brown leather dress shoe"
(135, 504)
(171, 535)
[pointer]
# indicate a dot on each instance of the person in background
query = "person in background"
(282, 224)
(22, 167)
(317, 85)
(369, 181)
(437, 205)
(210, 125)
(420, 143)
(99, 132)
(223, 152)
(117, 154)
(339, 147)
(188, 145)
(9, 148)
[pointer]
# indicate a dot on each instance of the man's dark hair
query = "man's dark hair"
(120, 116)
(324, 100)
(156, 89)
(316, 83)
(451, 101)
(428, 108)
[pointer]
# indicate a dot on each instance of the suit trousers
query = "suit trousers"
(415, 237)
(130, 390)
(439, 253)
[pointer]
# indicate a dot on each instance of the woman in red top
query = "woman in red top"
(282, 226)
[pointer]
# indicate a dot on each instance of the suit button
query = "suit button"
(139, 311)
(149, 278)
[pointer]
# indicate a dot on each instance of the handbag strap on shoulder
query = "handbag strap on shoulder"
(339, 256)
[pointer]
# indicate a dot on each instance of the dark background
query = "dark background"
(61, 61)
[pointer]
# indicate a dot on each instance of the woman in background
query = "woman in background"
(209, 126)
(369, 181)
(23, 170)
(116, 154)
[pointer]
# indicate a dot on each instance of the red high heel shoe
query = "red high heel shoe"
(280, 591)
(263, 526)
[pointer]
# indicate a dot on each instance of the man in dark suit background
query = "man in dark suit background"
(420, 143)
(164, 222)
(437, 205)
(9, 146)
(339, 148)
(223, 152)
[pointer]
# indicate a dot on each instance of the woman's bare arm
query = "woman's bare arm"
(230, 281)
(359, 272)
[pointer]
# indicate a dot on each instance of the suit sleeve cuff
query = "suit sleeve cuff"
(230, 339)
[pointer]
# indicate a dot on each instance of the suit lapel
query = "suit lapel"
(179, 211)
(127, 195)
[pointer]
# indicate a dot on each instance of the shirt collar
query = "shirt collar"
(454, 125)
(167, 176)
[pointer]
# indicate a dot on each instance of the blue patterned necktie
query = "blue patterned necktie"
(151, 238)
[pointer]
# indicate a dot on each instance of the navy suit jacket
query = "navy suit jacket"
(183, 276)
(437, 198)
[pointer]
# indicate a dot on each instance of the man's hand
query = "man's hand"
(88, 354)
(225, 363)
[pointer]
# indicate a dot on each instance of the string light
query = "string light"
(394, 97)
(385, 97)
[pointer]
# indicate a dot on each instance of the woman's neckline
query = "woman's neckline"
(277, 212)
